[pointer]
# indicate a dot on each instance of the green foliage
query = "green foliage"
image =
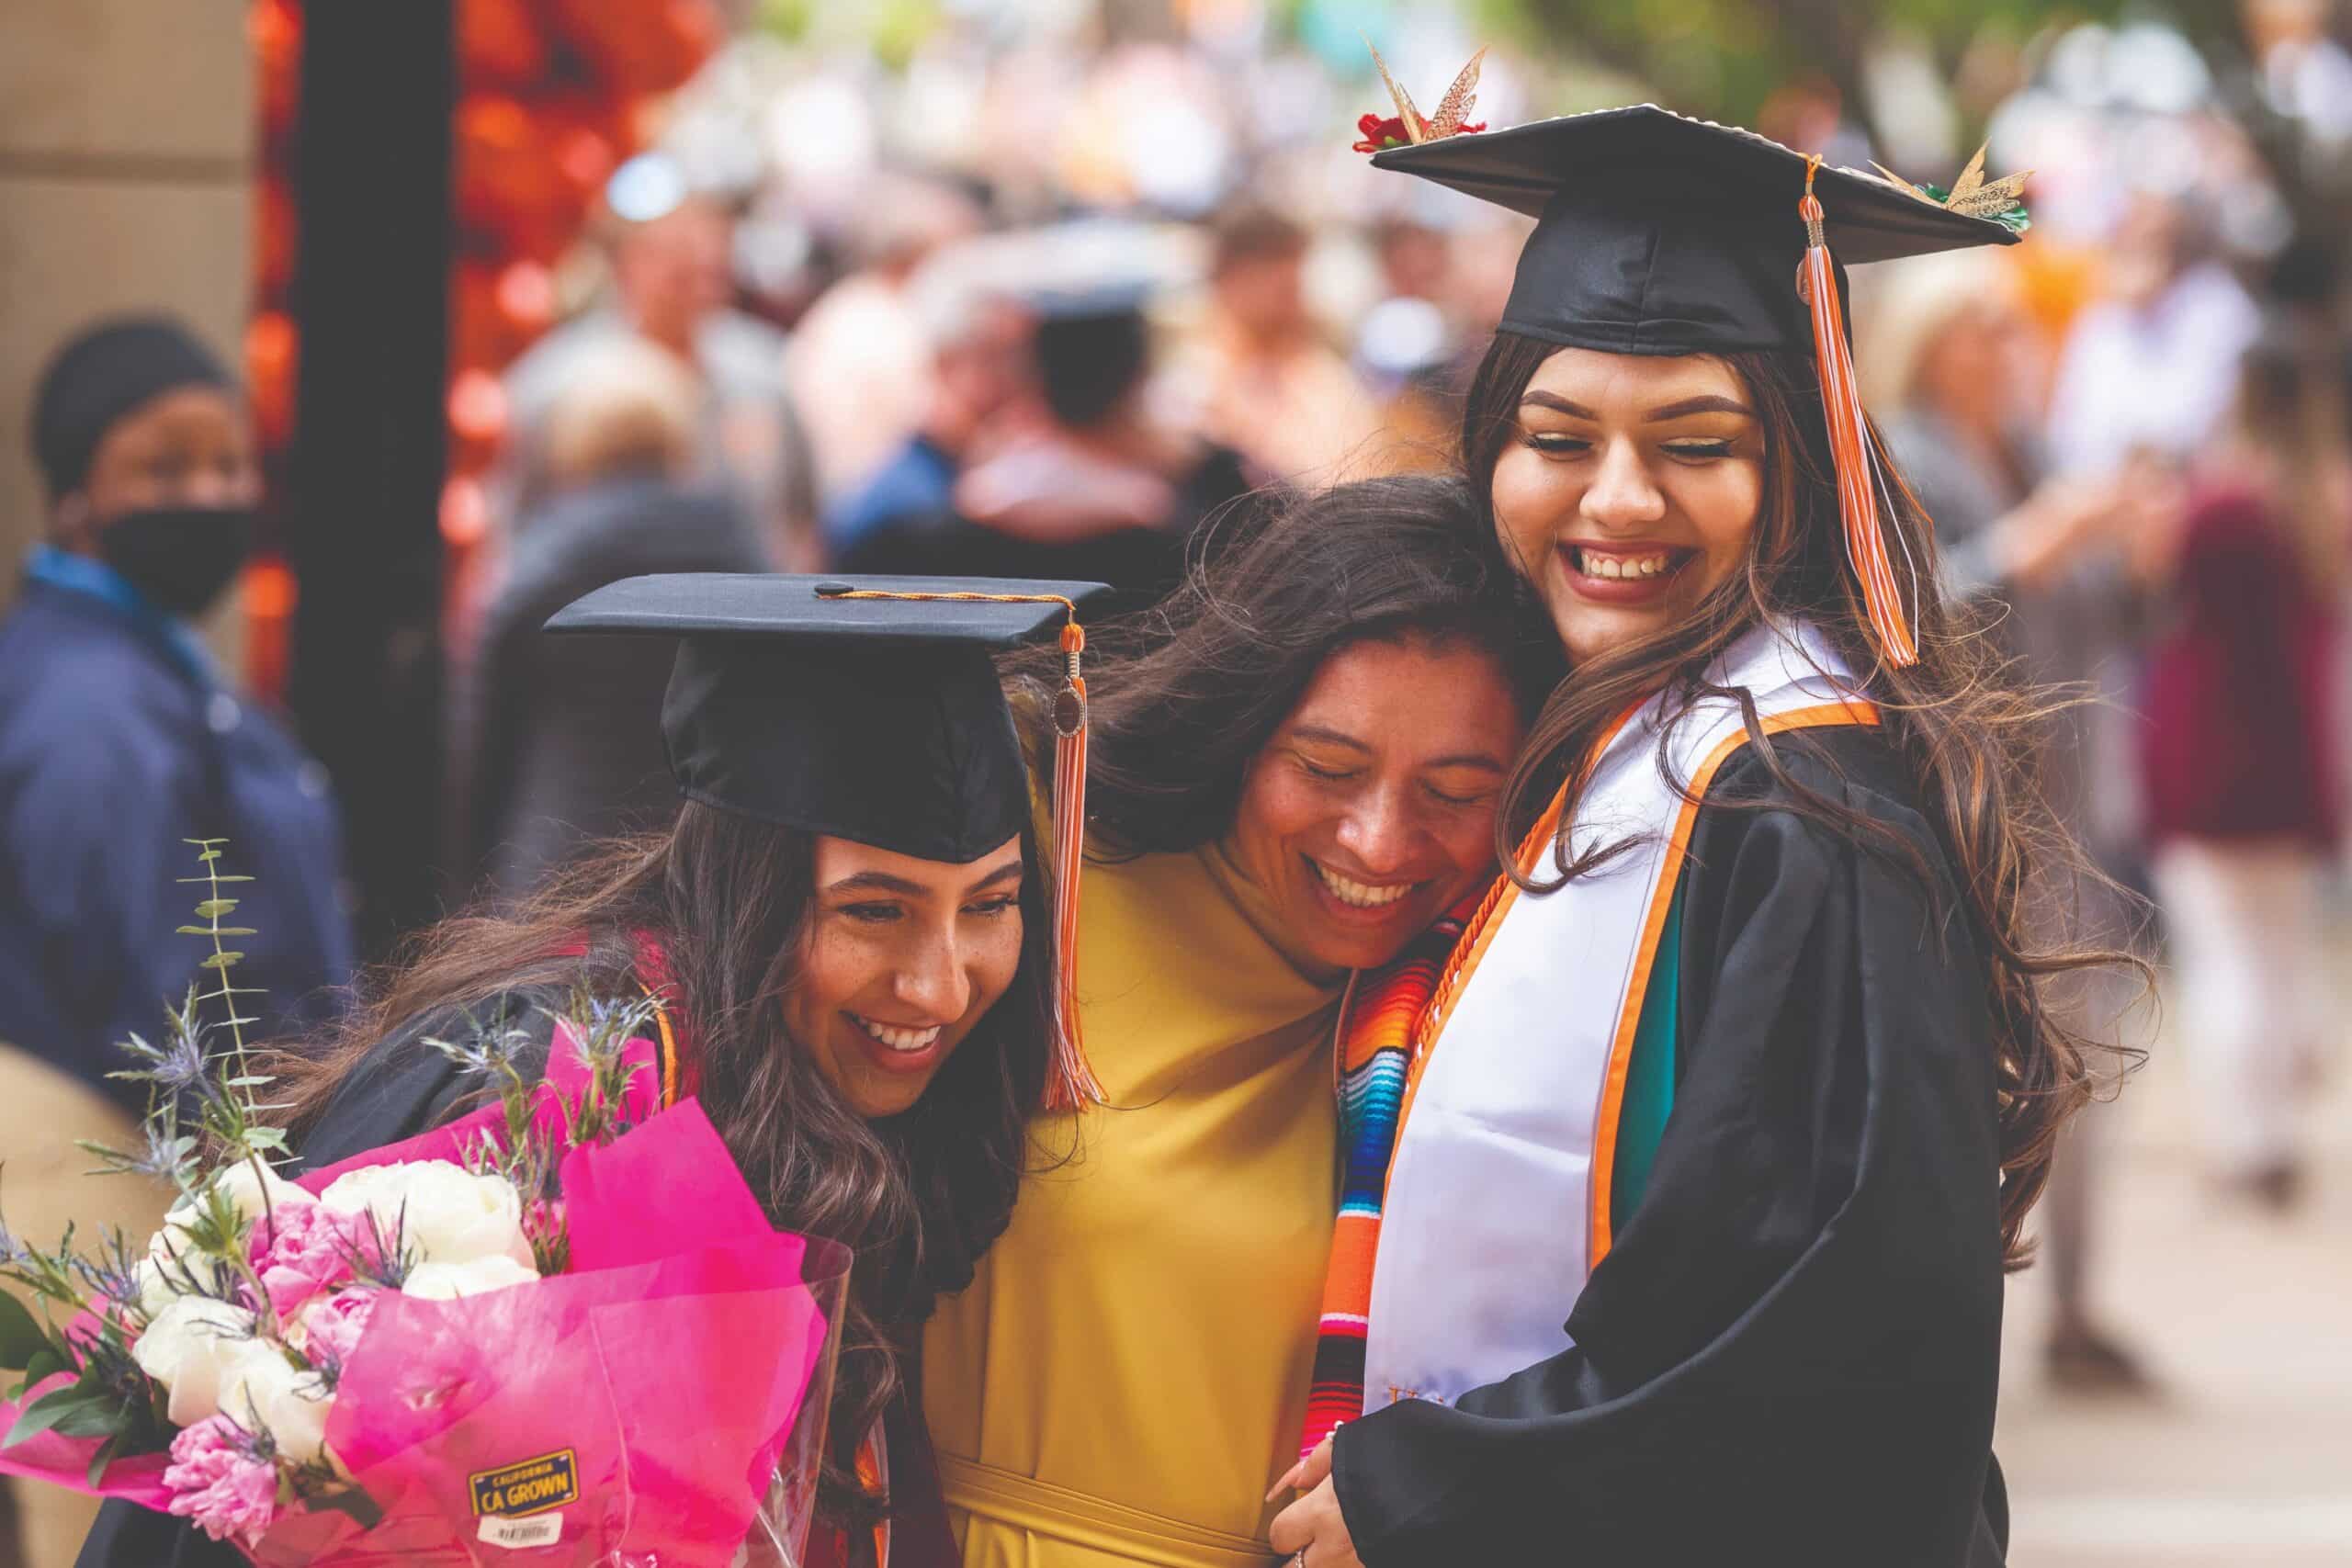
(1722, 59)
(21, 1335)
(200, 1099)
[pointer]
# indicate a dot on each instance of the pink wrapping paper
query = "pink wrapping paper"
(667, 1368)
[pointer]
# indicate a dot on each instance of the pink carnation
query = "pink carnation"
(333, 1324)
(301, 1249)
(218, 1480)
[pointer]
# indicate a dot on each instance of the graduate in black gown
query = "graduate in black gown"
(853, 939)
(1724, 1122)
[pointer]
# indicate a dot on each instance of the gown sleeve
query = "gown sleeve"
(400, 1089)
(1792, 1352)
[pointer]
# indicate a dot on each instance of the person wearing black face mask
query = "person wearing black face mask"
(120, 740)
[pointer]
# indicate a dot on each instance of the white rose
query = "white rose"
(442, 1212)
(160, 1278)
(291, 1405)
(193, 1347)
(448, 1281)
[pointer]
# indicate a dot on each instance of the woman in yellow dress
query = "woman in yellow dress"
(1295, 771)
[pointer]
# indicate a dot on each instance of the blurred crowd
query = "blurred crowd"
(1016, 301)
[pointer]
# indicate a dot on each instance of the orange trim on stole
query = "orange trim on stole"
(1822, 715)
(1473, 945)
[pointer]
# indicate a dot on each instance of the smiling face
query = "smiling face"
(1629, 491)
(1372, 809)
(903, 957)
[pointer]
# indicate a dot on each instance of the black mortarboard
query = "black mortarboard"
(1659, 235)
(795, 700)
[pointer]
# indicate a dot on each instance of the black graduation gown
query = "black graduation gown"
(1791, 1354)
(114, 752)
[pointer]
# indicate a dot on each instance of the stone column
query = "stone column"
(126, 132)
(126, 161)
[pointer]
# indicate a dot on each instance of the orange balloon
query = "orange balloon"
(510, 192)
(477, 407)
(499, 44)
(274, 29)
(635, 47)
(274, 236)
(465, 512)
(271, 346)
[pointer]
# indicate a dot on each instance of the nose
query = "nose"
(934, 982)
(1622, 496)
(1377, 831)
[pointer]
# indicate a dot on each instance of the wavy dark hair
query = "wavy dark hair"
(1186, 695)
(919, 1195)
(1966, 725)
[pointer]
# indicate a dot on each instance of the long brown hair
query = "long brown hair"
(918, 1196)
(1966, 727)
(1187, 694)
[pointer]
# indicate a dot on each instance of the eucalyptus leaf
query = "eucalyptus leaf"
(46, 1364)
(21, 1335)
(53, 1409)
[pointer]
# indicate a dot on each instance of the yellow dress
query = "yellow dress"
(1128, 1371)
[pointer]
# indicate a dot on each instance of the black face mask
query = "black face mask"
(181, 557)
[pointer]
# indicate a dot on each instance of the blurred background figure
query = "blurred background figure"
(1955, 367)
(120, 741)
(1092, 478)
(2148, 371)
(1268, 385)
(861, 361)
(981, 343)
(554, 737)
(2242, 772)
(672, 285)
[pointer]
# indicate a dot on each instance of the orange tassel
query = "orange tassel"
(1841, 405)
(1070, 1083)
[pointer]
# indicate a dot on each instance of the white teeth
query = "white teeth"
(1599, 565)
(897, 1039)
(1358, 894)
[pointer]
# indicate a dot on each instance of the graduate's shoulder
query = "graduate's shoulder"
(403, 1084)
(1836, 790)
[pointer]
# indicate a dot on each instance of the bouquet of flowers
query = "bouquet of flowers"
(561, 1326)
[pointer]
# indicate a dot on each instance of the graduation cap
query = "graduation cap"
(866, 709)
(1659, 235)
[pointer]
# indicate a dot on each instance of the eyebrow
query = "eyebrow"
(1327, 737)
(1706, 403)
(879, 882)
(1334, 738)
(883, 882)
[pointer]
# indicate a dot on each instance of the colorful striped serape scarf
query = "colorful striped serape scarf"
(1376, 1058)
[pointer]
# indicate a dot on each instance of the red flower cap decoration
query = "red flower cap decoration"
(1408, 126)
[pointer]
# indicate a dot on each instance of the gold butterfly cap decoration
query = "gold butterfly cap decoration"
(1974, 195)
(1408, 127)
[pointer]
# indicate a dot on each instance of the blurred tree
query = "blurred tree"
(1730, 58)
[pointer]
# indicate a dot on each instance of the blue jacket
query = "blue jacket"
(117, 745)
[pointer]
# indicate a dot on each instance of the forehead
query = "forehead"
(1600, 381)
(836, 858)
(1415, 688)
(184, 413)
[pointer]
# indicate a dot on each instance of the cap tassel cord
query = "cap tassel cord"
(1072, 1083)
(1069, 1081)
(1841, 405)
